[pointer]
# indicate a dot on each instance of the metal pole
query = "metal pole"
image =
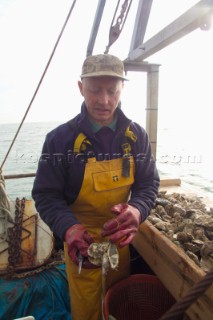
(95, 27)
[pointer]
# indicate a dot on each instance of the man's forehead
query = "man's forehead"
(105, 80)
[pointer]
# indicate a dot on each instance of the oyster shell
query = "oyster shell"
(104, 254)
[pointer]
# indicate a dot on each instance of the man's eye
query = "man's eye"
(95, 91)
(111, 93)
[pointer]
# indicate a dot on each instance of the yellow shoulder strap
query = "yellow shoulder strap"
(126, 150)
(130, 134)
(126, 146)
(80, 143)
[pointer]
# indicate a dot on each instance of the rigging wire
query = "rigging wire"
(176, 312)
(39, 83)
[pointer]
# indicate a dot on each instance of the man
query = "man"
(96, 181)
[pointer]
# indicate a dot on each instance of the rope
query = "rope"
(177, 311)
(5, 214)
(40, 81)
(3, 198)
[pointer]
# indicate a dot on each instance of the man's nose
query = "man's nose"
(103, 98)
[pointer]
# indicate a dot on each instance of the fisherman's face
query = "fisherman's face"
(101, 95)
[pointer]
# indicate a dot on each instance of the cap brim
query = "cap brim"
(102, 74)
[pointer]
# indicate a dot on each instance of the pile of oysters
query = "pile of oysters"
(187, 222)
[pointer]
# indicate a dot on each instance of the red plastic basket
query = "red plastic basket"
(138, 297)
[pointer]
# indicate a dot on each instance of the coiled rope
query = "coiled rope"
(5, 214)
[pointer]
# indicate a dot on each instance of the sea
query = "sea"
(179, 156)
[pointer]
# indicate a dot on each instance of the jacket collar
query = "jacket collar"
(84, 123)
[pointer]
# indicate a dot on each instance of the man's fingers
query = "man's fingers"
(127, 240)
(119, 207)
(111, 224)
(120, 234)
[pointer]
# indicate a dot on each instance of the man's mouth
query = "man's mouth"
(101, 110)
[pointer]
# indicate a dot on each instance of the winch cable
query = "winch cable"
(40, 82)
(177, 311)
(115, 30)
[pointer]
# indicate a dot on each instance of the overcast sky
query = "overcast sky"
(28, 32)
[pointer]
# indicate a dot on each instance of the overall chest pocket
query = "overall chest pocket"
(113, 179)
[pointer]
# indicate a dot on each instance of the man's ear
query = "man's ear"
(80, 86)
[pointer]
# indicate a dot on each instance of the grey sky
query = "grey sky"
(29, 29)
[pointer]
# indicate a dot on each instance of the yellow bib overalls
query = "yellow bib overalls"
(103, 186)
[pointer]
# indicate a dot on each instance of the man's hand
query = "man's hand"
(124, 227)
(78, 241)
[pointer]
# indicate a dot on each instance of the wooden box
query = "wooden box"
(174, 268)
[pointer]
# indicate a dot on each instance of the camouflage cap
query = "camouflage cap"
(103, 65)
